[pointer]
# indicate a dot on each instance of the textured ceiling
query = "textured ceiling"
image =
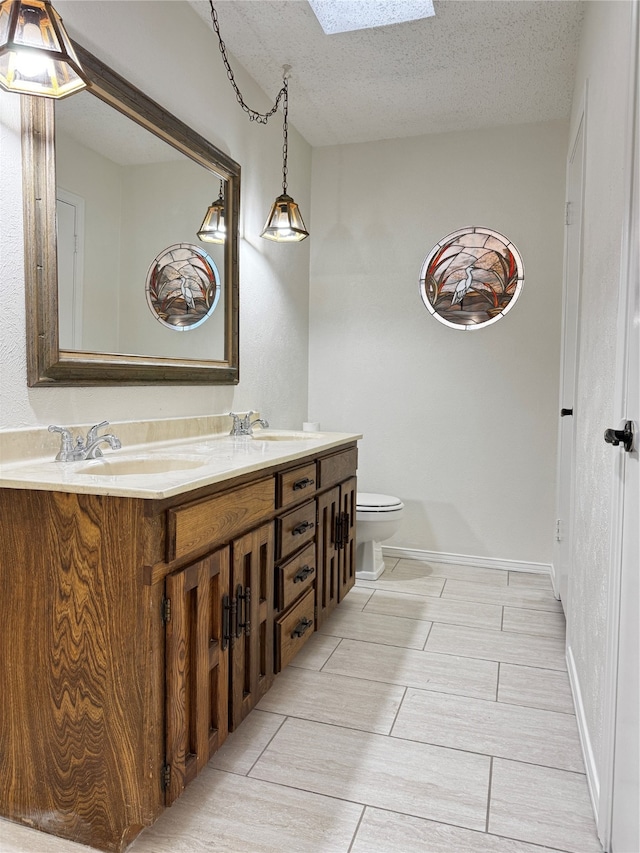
(477, 63)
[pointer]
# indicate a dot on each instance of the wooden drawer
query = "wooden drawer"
(295, 529)
(334, 469)
(293, 630)
(218, 519)
(295, 576)
(297, 484)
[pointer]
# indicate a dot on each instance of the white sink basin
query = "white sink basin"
(111, 466)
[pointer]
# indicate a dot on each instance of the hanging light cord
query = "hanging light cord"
(285, 131)
(261, 118)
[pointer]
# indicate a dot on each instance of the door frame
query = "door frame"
(580, 125)
(628, 247)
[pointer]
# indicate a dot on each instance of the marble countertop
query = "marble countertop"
(159, 469)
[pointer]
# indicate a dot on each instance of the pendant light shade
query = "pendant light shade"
(213, 228)
(36, 54)
(284, 223)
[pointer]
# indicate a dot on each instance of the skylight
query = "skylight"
(341, 16)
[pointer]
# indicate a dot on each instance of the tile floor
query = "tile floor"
(432, 714)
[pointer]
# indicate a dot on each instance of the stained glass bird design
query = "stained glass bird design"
(463, 286)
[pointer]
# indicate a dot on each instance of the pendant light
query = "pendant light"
(36, 54)
(284, 223)
(213, 228)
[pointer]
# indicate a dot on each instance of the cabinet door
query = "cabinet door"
(347, 560)
(197, 668)
(327, 554)
(252, 652)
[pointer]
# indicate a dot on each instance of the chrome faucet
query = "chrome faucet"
(244, 425)
(81, 448)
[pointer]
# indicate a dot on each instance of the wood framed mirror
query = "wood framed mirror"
(99, 330)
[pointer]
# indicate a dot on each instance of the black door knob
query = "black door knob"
(565, 412)
(621, 436)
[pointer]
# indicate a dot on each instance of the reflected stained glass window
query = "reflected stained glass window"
(471, 278)
(183, 287)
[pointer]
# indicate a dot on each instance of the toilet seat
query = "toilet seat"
(370, 502)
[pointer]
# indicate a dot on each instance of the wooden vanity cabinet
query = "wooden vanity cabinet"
(138, 633)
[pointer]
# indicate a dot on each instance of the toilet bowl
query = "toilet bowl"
(378, 517)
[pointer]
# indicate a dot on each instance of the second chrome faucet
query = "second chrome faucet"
(243, 425)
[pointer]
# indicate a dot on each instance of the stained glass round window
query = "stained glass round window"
(471, 278)
(183, 287)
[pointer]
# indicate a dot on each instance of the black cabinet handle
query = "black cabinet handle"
(302, 626)
(565, 412)
(302, 484)
(302, 528)
(303, 573)
(621, 436)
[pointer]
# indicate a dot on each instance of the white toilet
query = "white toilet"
(378, 517)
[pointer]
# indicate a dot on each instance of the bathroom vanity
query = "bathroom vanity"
(146, 614)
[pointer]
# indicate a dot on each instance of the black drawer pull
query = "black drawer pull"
(302, 528)
(303, 573)
(302, 484)
(301, 628)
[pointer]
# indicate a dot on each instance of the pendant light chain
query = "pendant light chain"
(284, 223)
(285, 135)
(261, 118)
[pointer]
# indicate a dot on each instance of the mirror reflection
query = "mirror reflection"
(115, 272)
(123, 197)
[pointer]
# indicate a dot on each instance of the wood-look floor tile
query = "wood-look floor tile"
(410, 668)
(509, 596)
(491, 728)
(418, 569)
(414, 778)
(315, 652)
(242, 748)
(356, 598)
(388, 832)
(412, 577)
(370, 706)
(435, 609)
(377, 628)
(538, 688)
(15, 838)
(543, 806)
(541, 580)
(224, 813)
(541, 622)
(545, 652)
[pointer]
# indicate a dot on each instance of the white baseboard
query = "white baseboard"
(554, 582)
(466, 560)
(593, 778)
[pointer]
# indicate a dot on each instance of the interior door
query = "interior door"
(566, 432)
(625, 820)
(70, 242)
(625, 834)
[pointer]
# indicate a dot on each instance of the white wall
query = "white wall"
(604, 61)
(460, 425)
(166, 50)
